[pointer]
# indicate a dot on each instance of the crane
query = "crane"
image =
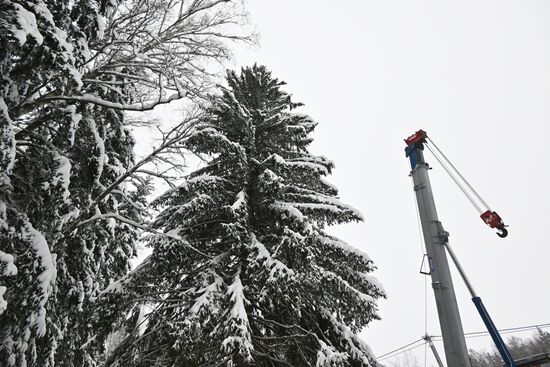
(490, 217)
(437, 247)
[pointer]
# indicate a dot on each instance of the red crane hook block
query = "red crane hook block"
(493, 220)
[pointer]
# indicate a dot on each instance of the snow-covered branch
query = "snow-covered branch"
(173, 137)
(143, 227)
(140, 106)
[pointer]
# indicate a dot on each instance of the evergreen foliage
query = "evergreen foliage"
(244, 273)
(71, 202)
(60, 156)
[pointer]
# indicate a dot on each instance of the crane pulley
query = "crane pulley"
(420, 139)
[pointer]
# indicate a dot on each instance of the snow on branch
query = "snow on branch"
(334, 242)
(330, 276)
(8, 265)
(276, 268)
(319, 167)
(328, 356)
(171, 138)
(143, 227)
(238, 325)
(118, 286)
(208, 295)
(288, 210)
(46, 278)
(3, 302)
(146, 53)
(212, 141)
(356, 347)
(25, 25)
(240, 202)
(140, 106)
(62, 175)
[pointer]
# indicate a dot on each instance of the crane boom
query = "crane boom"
(437, 244)
(435, 237)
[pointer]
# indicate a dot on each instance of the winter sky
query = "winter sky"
(475, 75)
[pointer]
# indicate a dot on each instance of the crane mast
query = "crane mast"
(435, 238)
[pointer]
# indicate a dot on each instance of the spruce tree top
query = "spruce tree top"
(256, 281)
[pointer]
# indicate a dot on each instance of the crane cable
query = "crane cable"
(512, 330)
(398, 351)
(459, 174)
(443, 161)
(474, 334)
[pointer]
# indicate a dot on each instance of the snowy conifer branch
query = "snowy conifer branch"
(122, 194)
(99, 216)
(70, 69)
(143, 227)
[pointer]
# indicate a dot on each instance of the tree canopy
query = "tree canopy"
(72, 196)
(244, 273)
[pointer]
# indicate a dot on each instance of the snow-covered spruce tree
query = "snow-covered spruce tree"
(70, 193)
(54, 176)
(50, 147)
(244, 274)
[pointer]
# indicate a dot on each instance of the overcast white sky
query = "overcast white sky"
(476, 76)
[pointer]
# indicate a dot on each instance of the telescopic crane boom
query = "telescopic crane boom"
(437, 246)
(489, 217)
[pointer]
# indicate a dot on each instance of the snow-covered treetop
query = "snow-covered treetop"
(256, 280)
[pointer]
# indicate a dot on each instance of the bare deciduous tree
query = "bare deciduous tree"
(146, 52)
(406, 359)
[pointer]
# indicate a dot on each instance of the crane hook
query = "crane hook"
(502, 232)
(493, 220)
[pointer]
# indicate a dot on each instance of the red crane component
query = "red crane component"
(493, 220)
(418, 137)
(419, 140)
